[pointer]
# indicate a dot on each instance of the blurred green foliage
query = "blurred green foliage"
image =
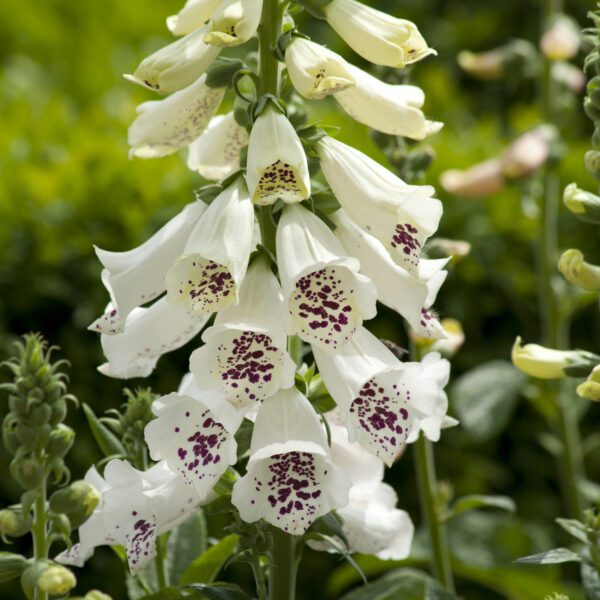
(66, 183)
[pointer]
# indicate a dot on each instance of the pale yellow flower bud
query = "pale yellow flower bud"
(56, 580)
(478, 181)
(561, 40)
(96, 595)
(583, 204)
(579, 272)
(590, 389)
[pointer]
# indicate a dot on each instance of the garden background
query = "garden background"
(66, 183)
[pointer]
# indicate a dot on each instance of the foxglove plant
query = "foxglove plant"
(279, 267)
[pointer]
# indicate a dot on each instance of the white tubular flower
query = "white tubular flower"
(276, 166)
(164, 126)
(375, 35)
(234, 22)
(291, 480)
(326, 295)
(244, 354)
(208, 275)
(314, 70)
(135, 507)
(433, 274)
(195, 436)
(401, 216)
(391, 109)
(216, 153)
(177, 65)
(192, 16)
(137, 276)
(149, 333)
(434, 370)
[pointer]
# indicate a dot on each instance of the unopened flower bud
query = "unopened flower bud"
(14, 523)
(482, 65)
(80, 495)
(455, 338)
(591, 109)
(590, 389)
(547, 363)
(9, 435)
(40, 415)
(528, 152)
(59, 412)
(60, 442)
(592, 162)
(478, 181)
(28, 473)
(585, 205)
(443, 247)
(579, 272)
(569, 76)
(56, 580)
(96, 595)
(561, 40)
(517, 57)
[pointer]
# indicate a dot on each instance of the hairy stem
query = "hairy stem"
(284, 558)
(39, 529)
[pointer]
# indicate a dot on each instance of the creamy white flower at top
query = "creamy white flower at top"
(216, 153)
(244, 354)
(137, 276)
(234, 22)
(401, 216)
(375, 35)
(316, 71)
(177, 65)
(326, 295)
(276, 165)
(164, 126)
(135, 507)
(149, 333)
(291, 480)
(195, 436)
(208, 275)
(192, 16)
(391, 109)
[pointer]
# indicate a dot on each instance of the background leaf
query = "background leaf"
(207, 566)
(186, 543)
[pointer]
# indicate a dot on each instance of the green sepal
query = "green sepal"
(11, 566)
(314, 7)
(108, 442)
(208, 193)
(220, 73)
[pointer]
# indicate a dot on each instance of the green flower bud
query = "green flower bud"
(590, 389)
(584, 205)
(59, 411)
(14, 523)
(40, 415)
(96, 595)
(579, 272)
(28, 472)
(592, 162)
(79, 496)
(36, 395)
(56, 580)
(18, 404)
(28, 435)
(9, 435)
(60, 524)
(60, 442)
(593, 90)
(25, 384)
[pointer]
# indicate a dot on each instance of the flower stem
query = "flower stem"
(428, 497)
(259, 578)
(284, 557)
(39, 529)
(160, 562)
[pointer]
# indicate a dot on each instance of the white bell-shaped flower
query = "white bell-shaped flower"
(375, 35)
(234, 22)
(216, 153)
(326, 296)
(276, 165)
(244, 354)
(192, 16)
(137, 276)
(381, 405)
(149, 333)
(208, 275)
(391, 109)
(177, 65)
(195, 436)
(135, 507)
(401, 216)
(316, 71)
(164, 126)
(291, 480)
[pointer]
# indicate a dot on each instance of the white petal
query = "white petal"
(207, 276)
(327, 297)
(216, 153)
(276, 166)
(314, 70)
(177, 65)
(401, 216)
(164, 126)
(194, 443)
(192, 16)
(149, 333)
(375, 35)
(136, 276)
(391, 109)
(234, 22)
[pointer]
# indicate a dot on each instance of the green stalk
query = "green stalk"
(259, 577)
(555, 325)
(39, 528)
(284, 557)
(160, 562)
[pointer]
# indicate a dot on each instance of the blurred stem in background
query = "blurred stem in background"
(554, 320)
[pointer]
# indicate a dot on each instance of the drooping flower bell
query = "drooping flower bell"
(276, 166)
(375, 35)
(291, 480)
(192, 16)
(326, 295)
(234, 22)
(208, 274)
(244, 354)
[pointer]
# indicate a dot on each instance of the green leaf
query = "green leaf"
(221, 591)
(170, 593)
(330, 524)
(575, 528)
(551, 557)
(405, 584)
(11, 566)
(207, 566)
(475, 501)
(485, 397)
(591, 581)
(243, 437)
(186, 543)
(108, 442)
